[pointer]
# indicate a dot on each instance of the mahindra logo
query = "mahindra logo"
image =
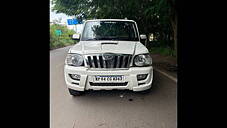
(108, 56)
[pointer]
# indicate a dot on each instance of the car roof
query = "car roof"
(110, 20)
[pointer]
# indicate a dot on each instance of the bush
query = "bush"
(166, 51)
(62, 40)
(163, 47)
(161, 43)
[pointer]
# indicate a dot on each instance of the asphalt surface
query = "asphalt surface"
(110, 109)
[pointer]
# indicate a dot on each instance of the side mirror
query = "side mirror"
(76, 36)
(143, 37)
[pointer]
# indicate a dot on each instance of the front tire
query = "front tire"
(75, 93)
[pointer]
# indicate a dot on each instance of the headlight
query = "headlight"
(142, 60)
(74, 60)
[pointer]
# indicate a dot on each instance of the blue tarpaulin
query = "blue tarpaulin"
(72, 21)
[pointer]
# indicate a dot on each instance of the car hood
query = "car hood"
(92, 47)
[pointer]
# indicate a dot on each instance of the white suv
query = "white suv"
(109, 56)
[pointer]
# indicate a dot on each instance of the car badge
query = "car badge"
(108, 56)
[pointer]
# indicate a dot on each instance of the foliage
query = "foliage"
(165, 51)
(62, 40)
(152, 16)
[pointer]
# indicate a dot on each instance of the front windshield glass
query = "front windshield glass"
(110, 30)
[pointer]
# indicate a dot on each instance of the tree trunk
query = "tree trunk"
(174, 28)
(174, 23)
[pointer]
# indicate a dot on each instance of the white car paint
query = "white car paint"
(119, 47)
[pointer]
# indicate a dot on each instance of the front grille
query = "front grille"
(108, 84)
(115, 61)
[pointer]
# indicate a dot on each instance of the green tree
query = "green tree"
(62, 40)
(152, 16)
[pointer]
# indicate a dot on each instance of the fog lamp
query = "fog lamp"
(141, 77)
(75, 76)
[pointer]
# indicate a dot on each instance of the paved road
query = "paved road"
(106, 109)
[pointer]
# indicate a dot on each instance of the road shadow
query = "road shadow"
(119, 105)
(125, 95)
(110, 93)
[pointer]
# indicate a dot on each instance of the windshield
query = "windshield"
(110, 30)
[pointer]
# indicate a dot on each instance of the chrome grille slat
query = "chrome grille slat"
(129, 60)
(101, 61)
(92, 62)
(124, 61)
(112, 63)
(115, 61)
(95, 60)
(98, 61)
(86, 60)
(104, 62)
(121, 61)
(118, 61)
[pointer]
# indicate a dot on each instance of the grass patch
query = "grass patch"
(58, 41)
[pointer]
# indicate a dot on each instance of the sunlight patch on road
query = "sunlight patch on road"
(60, 65)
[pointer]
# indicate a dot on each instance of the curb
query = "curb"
(167, 75)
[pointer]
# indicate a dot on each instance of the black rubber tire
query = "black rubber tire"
(75, 93)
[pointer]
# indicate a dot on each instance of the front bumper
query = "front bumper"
(88, 74)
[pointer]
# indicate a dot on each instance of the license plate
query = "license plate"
(108, 79)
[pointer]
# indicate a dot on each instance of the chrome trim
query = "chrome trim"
(86, 61)
(98, 61)
(111, 64)
(118, 61)
(124, 61)
(129, 60)
(104, 61)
